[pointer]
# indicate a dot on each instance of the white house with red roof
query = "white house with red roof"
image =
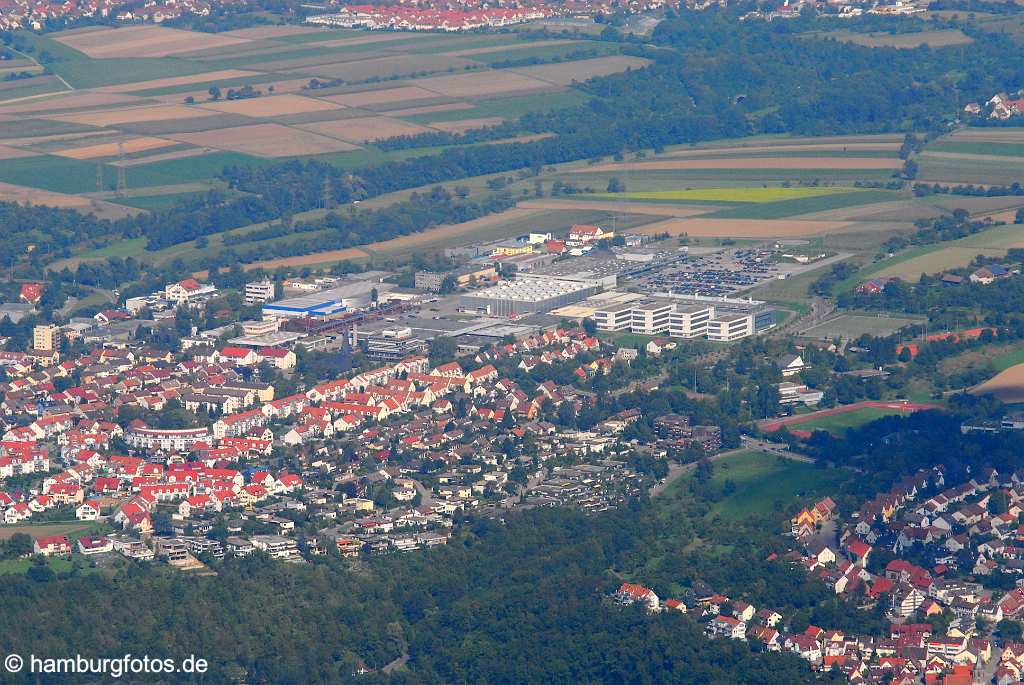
(88, 510)
(51, 545)
(239, 356)
(187, 291)
(584, 234)
(631, 593)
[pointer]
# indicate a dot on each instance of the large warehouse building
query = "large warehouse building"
(528, 296)
(325, 303)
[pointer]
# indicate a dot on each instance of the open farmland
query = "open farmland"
(737, 162)
(788, 146)
(1006, 386)
(909, 265)
(23, 195)
(565, 73)
(265, 140)
(933, 39)
(142, 41)
(273, 106)
(364, 129)
(664, 210)
(168, 96)
(174, 81)
(112, 149)
(744, 228)
(757, 195)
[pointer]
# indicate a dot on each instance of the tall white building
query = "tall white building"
(46, 337)
(690, 321)
(617, 316)
(729, 327)
(651, 317)
(259, 292)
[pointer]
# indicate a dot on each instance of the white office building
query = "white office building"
(690, 321)
(651, 317)
(729, 327)
(259, 292)
(616, 316)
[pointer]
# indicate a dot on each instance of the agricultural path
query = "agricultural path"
(34, 61)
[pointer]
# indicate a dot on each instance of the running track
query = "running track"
(772, 425)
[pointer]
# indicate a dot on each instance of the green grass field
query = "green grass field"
(72, 529)
(837, 423)
(766, 483)
(20, 566)
(994, 170)
(1009, 358)
(155, 202)
(850, 326)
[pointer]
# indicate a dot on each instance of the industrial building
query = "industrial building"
(467, 275)
(615, 316)
(528, 296)
(393, 344)
(686, 317)
(326, 303)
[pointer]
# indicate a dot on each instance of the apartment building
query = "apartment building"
(46, 337)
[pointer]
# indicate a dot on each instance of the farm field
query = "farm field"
(750, 162)
(934, 39)
(851, 326)
(744, 228)
(909, 265)
(160, 98)
(978, 155)
(755, 195)
(1006, 386)
(511, 222)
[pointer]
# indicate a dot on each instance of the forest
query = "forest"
(518, 603)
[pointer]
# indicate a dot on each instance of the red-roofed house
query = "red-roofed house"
(630, 593)
(31, 292)
(240, 356)
(51, 545)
